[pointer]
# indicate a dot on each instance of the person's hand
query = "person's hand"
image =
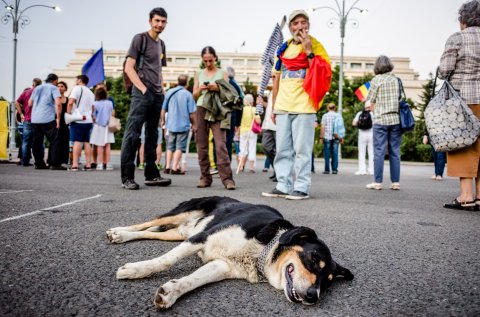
(425, 139)
(274, 118)
(321, 140)
(22, 118)
(341, 141)
(144, 90)
(305, 40)
(203, 87)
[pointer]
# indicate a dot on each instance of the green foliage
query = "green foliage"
(249, 87)
(122, 106)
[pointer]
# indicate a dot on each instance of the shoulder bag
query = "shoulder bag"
(451, 124)
(75, 115)
(407, 121)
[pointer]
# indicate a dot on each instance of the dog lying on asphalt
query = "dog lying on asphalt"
(235, 240)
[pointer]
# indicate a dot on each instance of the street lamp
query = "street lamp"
(16, 15)
(342, 15)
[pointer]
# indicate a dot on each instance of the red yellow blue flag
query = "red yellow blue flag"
(362, 91)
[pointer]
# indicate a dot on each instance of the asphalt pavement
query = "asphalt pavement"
(410, 256)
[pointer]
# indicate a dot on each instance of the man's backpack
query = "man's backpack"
(139, 62)
(338, 127)
(365, 120)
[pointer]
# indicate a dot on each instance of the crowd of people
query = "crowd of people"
(221, 117)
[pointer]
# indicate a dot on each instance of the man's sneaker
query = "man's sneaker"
(141, 166)
(275, 193)
(41, 167)
(360, 173)
(99, 167)
(297, 195)
(158, 181)
(130, 184)
(58, 168)
(230, 186)
(376, 186)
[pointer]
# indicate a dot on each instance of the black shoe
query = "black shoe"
(28, 164)
(58, 168)
(326, 172)
(275, 193)
(297, 195)
(335, 172)
(158, 181)
(41, 167)
(130, 184)
(93, 165)
(275, 180)
(273, 176)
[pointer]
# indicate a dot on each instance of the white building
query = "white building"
(246, 65)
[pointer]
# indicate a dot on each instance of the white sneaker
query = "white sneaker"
(376, 186)
(360, 173)
(99, 167)
(109, 167)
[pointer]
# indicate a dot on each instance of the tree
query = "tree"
(116, 89)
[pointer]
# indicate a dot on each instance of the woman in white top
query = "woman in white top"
(365, 142)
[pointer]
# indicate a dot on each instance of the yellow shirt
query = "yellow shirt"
(291, 96)
(247, 119)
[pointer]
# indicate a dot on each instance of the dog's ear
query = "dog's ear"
(296, 234)
(340, 271)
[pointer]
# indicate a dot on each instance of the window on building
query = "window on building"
(369, 65)
(252, 62)
(194, 61)
(355, 65)
(169, 60)
(180, 60)
(238, 62)
(112, 59)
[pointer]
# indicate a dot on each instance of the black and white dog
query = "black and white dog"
(235, 240)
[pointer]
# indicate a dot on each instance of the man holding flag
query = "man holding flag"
(303, 77)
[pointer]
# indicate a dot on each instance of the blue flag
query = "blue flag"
(94, 69)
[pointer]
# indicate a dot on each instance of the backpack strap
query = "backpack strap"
(170, 97)
(143, 48)
(400, 90)
(164, 53)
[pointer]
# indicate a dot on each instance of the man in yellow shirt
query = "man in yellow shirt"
(303, 76)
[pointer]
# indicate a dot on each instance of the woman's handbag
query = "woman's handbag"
(256, 127)
(407, 121)
(451, 124)
(114, 124)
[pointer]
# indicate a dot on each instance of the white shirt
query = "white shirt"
(267, 121)
(86, 102)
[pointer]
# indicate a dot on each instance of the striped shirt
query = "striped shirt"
(384, 93)
(462, 58)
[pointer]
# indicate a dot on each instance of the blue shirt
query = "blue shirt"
(179, 108)
(43, 98)
(103, 112)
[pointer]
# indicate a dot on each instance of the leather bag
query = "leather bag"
(114, 124)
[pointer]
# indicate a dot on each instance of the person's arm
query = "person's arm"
(58, 106)
(192, 121)
(449, 56)
(197, 88)
(322, 132)
(162, 117)
(19, 110)
(275, 87)
(133, 76)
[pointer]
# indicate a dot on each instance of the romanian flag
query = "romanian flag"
(362, 91)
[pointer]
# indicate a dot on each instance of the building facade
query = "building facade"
(246, 65)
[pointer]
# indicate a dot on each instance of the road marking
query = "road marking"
(17, 191)
(49, 208)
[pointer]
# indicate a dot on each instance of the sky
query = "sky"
(416, 29)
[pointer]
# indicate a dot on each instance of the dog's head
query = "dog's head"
(305, 265)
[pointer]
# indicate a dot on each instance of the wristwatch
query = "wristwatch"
(310, 56)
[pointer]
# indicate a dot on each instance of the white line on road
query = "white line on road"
(49, 208)
(17, 191)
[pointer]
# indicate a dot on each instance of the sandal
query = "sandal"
(87, 168)
(465, 205)
(73, 169)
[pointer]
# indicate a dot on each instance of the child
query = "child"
(101, 136)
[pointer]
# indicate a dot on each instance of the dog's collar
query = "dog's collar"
(262, 258)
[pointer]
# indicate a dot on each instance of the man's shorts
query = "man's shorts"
(177, 141)
(80, 132)
(159, 139)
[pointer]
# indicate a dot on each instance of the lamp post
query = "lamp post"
(342, 15)
(18, 18)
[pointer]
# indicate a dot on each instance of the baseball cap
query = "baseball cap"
(296, 13)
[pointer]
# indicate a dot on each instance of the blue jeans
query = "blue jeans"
(383, 135)
(143, 109)
(27, 140)
(330, 150)
(294, 139)
(439, 161)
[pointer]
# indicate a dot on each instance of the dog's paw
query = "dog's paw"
(119, 236)
(112, 231)
(165, 296)
(132, 271)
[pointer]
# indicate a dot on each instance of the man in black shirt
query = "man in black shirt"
(144, 69)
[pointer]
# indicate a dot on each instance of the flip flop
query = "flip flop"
(466, 205)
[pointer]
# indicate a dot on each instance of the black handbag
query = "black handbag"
(407, 121)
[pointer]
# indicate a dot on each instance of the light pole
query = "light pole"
(16, 15)
(342, 15)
